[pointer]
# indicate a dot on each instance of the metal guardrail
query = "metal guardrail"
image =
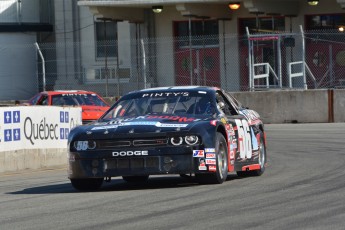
(299, 74)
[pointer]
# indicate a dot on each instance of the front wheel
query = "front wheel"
(221, 172)
(89, 184)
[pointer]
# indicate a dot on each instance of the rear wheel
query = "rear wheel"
(261, 162)
(135, 179)
(221, 163)
(89, 184)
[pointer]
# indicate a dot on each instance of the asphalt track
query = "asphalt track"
(303, 188)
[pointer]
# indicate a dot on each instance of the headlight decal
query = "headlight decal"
(190, 140)
(176, 140)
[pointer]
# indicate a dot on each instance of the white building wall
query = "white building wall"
(19, 11)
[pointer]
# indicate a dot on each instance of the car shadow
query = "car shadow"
(117, 184)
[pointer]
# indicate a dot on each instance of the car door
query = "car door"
(241, 135)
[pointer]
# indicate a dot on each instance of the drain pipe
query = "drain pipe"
(43, 66)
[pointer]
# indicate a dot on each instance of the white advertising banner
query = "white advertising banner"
(34, 127)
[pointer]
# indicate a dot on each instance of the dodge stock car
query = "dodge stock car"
(198, 131)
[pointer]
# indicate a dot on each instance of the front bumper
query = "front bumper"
(164, 160)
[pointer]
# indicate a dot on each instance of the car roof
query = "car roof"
(175, 88)
(57, 92)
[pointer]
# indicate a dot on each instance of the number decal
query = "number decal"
(244, 139)
(82, 145)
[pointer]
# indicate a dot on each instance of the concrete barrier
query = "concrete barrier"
(296, 106)
(34, 137)
(22, 159)
(339, 105)
(288, 106)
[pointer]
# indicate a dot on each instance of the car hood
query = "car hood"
(93, 112)
(140, 125)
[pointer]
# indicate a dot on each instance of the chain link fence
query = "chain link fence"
(313, 60)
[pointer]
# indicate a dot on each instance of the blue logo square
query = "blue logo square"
(62, 116)
(66, 133)
(16, 116)
(62, 133)
(16, 134)
(8, 135)
(7, 117)
(66, 117)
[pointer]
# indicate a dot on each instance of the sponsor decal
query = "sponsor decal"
(223, 120)
(174, 118)
(212, 168)
(210, 150)
(213, 122)
(130, 153)
(234, 144)
(211, 161)
(198, 153)
(105, 127)
(227, 126)
(202, 165)
(202, 168)
(158, 124)
(138, 123)
(210, 155)
(166, 94)
(232, 153)
(232, 131)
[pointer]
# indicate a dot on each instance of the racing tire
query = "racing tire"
(261, 162)
(221, 164)
(89, 184)
(135, 179)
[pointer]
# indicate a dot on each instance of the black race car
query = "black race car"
(200, 131)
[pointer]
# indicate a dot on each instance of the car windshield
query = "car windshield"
(77, 100)
(162, 103)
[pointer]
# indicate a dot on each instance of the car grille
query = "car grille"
(111, 144)
(133, 163)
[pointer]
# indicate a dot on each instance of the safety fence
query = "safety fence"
(306, 60)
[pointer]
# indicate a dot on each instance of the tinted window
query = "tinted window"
(77, 99)
(162, 103)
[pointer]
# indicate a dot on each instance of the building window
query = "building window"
(262, 25)
(327, 21)
(204, 33)
(106, 39)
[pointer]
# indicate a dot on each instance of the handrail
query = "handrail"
(268, 69)
(300, 74)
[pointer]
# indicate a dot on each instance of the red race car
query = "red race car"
(93, 105)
